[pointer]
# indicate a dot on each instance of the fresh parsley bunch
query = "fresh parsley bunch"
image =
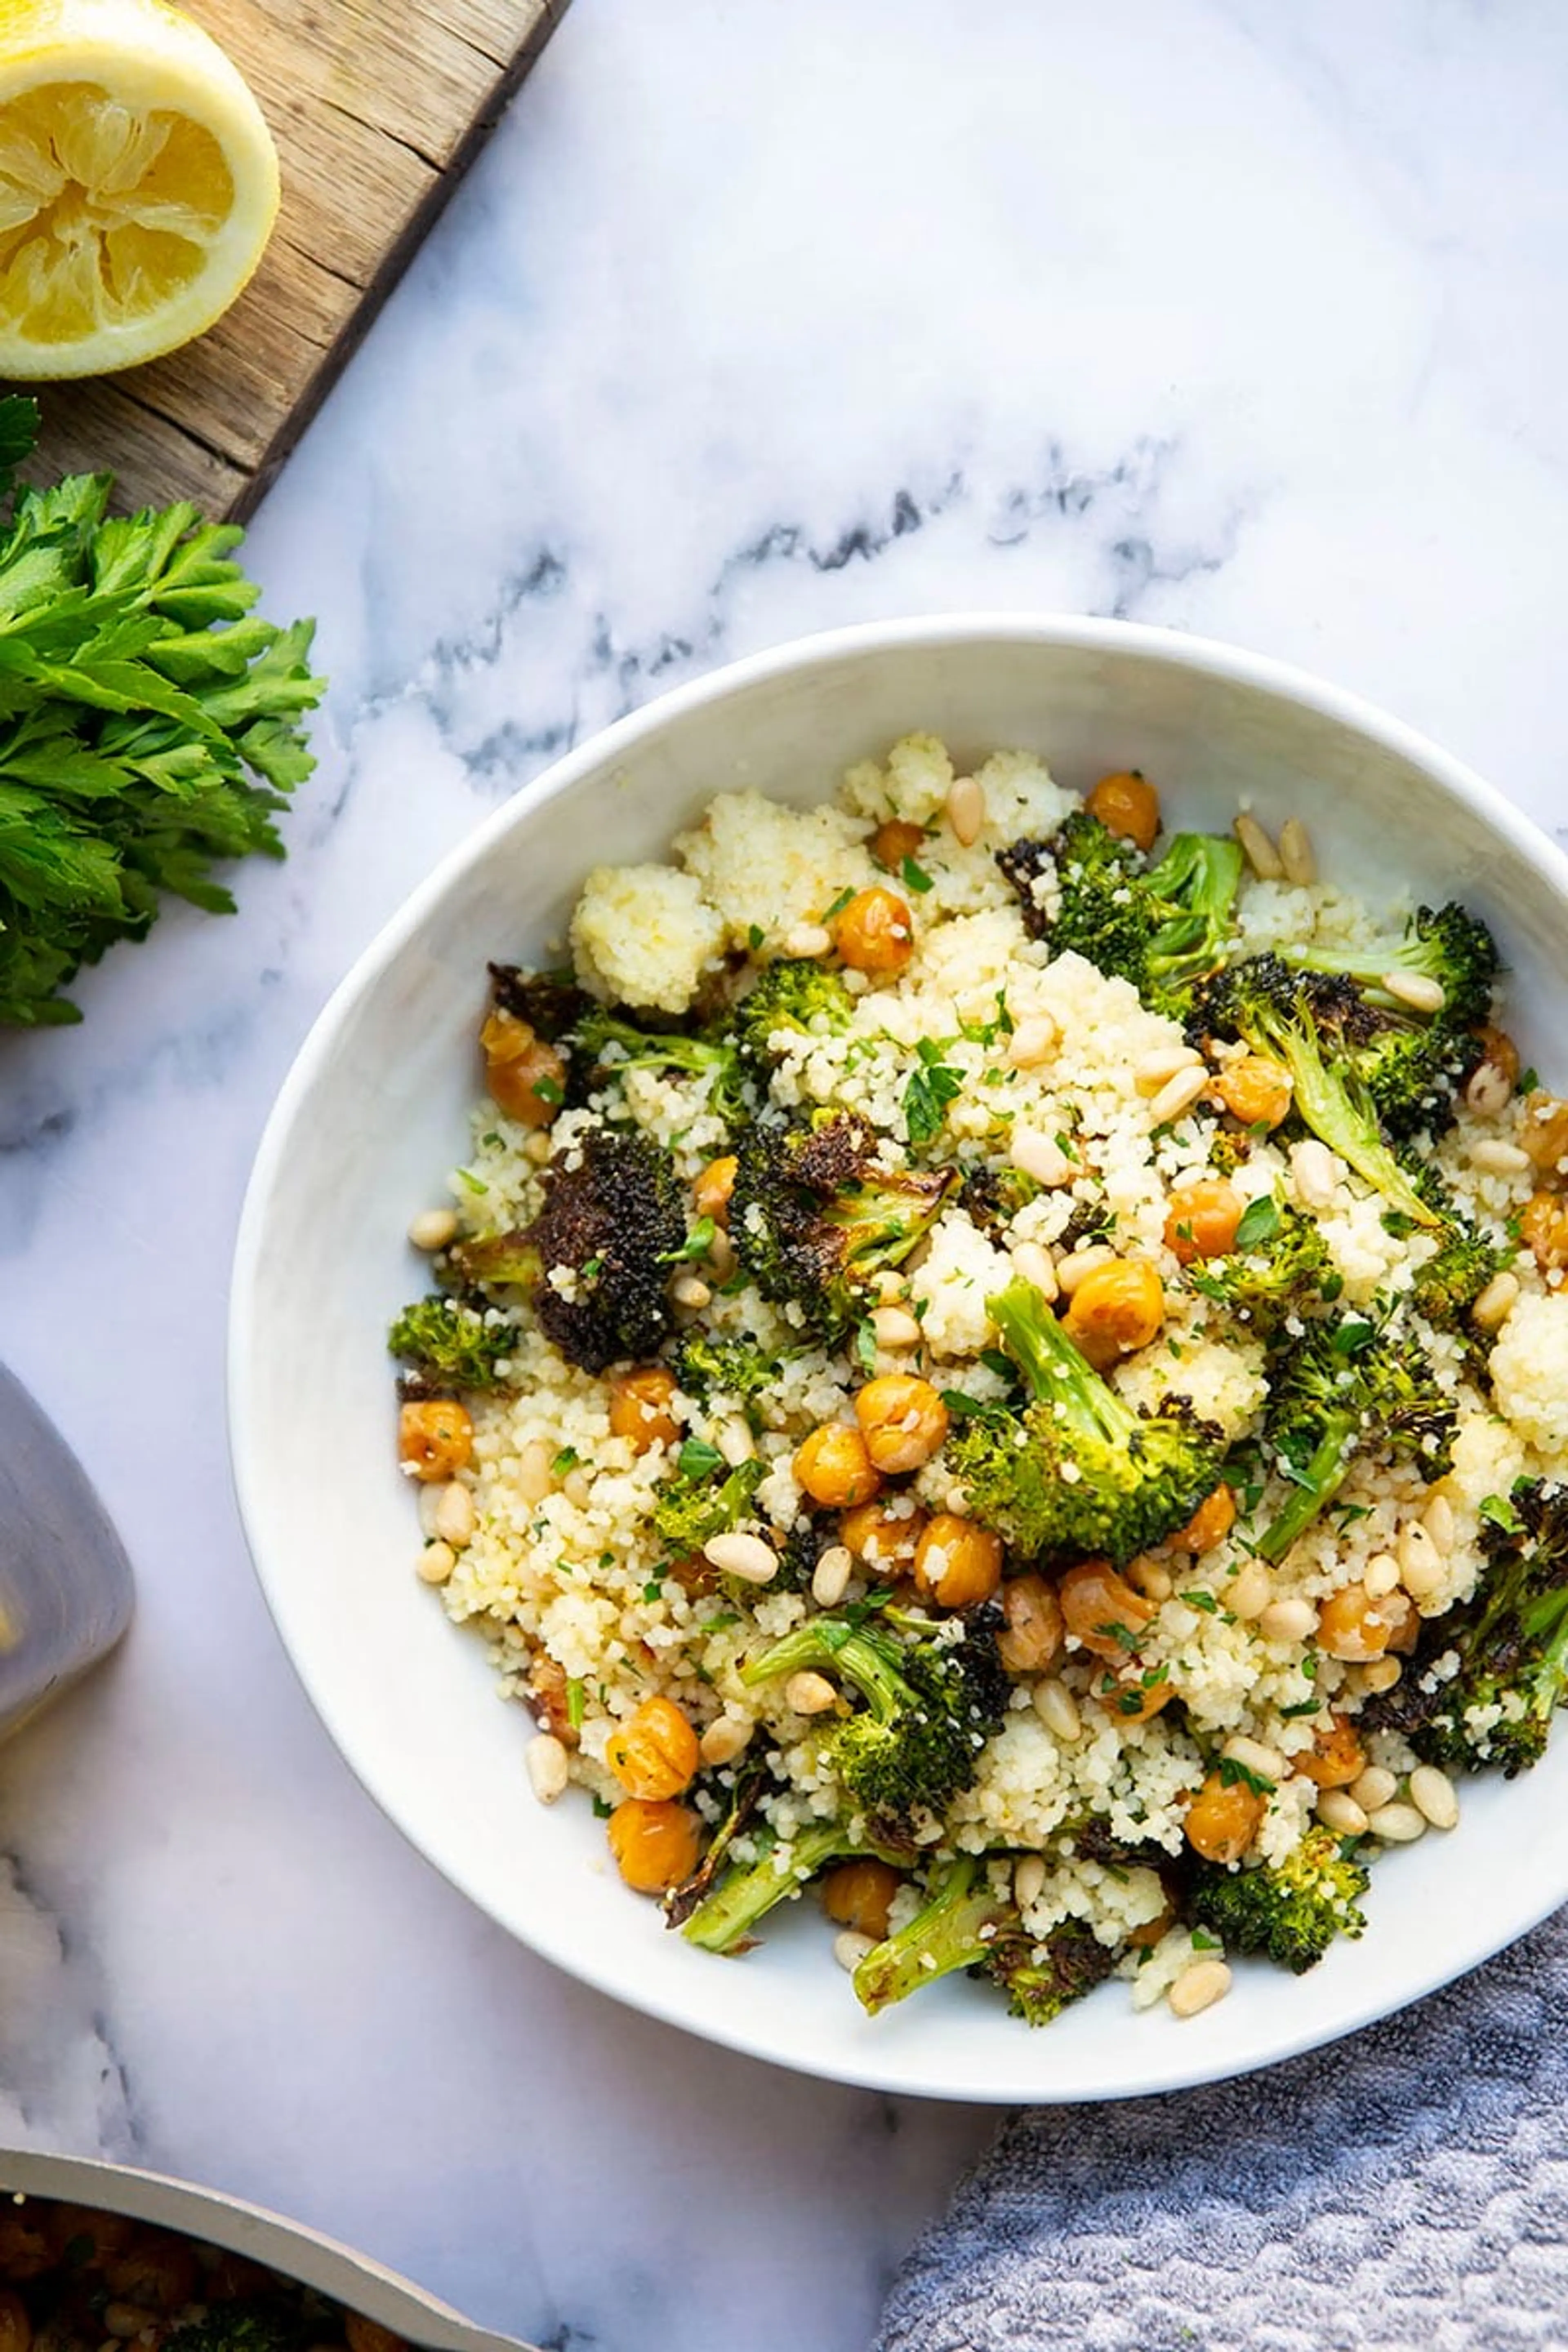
(150, 722)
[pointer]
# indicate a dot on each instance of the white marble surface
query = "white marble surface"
(755, 319)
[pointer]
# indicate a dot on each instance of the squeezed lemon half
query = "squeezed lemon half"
(138, 184)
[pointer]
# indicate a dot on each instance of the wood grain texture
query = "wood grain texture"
(378, 107)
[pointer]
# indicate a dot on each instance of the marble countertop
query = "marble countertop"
(754, 320)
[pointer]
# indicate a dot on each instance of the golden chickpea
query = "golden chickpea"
(1128, 805)
(1134, 1694)
(893, 842)
(1032, 1637)
(1102, 1609)
(875, 933)
(639, 1407)
(655, 1845)
(1116, 1309)
(1254, 1090)
(526, 1077)
(435, 1438)
(1545, 1132)
(551, 1699)
(1353, 1626)
(694, 1574)
(654, 1753)
(711, 1192)
(16, 2328)
(902, 1420)
(1201, 1219)
(884, 1541)
(1499, 1048)
(369, 2336)
(835, 1468)
(860, 1894)
(1222, 1822)
(1544, 1230)
(958, 1563)
(1210, 1523)
(1336, 1756)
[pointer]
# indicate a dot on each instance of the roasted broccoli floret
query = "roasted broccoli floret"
(929, 1705)
(550, 1002)
(1448, 946)
(605, 1044)
(1285, 1270)
(815, 1218)
(612, 1219)
(703, 1497)
(723, 1920)
(1315, 1026)
(1291, 1911)
(1413, 1072)
(1447, 1286)
(965, 1924)
(1347, 1385)
(249, 2323)
(991, 1197)
(451, 1345)
(1078, 1471)
(706, 1364)
(1192, 893)
(798, 994)
(1162, 927)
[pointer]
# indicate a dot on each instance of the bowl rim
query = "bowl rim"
(1474, 1942)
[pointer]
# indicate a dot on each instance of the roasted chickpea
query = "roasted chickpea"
(1545, 1132)
(835, 1468)
(1101, 1610)
(1222, 1822)
(893, 842)
(1201, 1219)
(654, 1753)
(1336, 1756)
(1135, 1694)
(655, 1845)
(1116, 1309)
(860, 1894)
(902, 1420)
(639, 1407)
(435, 1438)
(1544, 1229)
(694, 1574)
(958, 1563)
(711, 1192)
(1354, 1626)
(1499, 1048)
(881, 1538)
(551, 1698)
(1032, 1635)
(1210, 1523)
(526, 1077)
(875, 933)
(1128, 805)
(1254, 1090)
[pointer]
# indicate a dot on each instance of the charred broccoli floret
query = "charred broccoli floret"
(723, 1920)
(1447, 1286)
(451, 1345)
(604, 1046)
(1283, 1269)
(815, 1218)
(991, 1197)
(797, 993)
(1291, 1911)
(1315, 1026)
(1449, 946)
(929, 1705)
(550, 1002)
(703, 1495)
(1078, 1471)
(1345, 1385)
(612, 1219)
(965, 1924)
(1413, 1074)
(707, 1363)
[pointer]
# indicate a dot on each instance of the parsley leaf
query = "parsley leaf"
(932, 1085)
(1259, 1221)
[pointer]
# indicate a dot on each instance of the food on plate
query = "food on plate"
(151, 728)
(1006, 1365)
(138, 184)
(73, 2279)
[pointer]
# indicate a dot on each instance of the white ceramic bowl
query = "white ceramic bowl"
(372, 1116)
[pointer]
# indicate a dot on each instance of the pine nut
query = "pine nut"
(1373, 1788)
(1433, 1794)
(538, 1147)
(436, 1563)
(431, 1229)
(1422, 994)
(1034, 1041)
(1396, 1824)
(1156, 1068)
(1199, 1987)
(1041, 1156)
(1254, 1755)
(807, 940)
(734, 1440)
(1146, 1576)
(724, 1739)
(895, 1327)
(850, 1948)
(1422, 1567)
(1313, 1174)
(1378, 1674)
(966, 810)
(1029, 1879)
(1177, 1095)
(1296, 852)
(428, 1505)
(533, 1478)
(1381, 1574)
(810, 1694)
(547, 1769)
(1338, 1810)
(1495, 1303)
(1072, 1271)
(455, 1517)
(1495, 1158)
(1257, 847)
(1438, 1520)
(721, 1254)
(1292, 1619)
(831, 1576)
(1488, 1089)
(577, 1487)
(1250, 1590)
(1035, 1265)
(1058, 1710)
(690, 1290)
(747, 1556)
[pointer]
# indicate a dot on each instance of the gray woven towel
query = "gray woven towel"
(1405, 2192)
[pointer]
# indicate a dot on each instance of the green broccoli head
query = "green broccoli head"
(1283, 1271)
(965, 1923)
(1447, 1286)
(604, 1046)
(1348, 1385)
(1413, 1072)
(797, 994)
(1290, 1912)
(1190, 896)
(1161, 927)
(710, 1364)
(1448, 946)
(703, 1495)
(452, 1345)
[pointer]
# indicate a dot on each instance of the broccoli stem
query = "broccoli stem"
(724, 1918)
(1317, 1484)
(949, 1932)
(836, 1645)
(1057, 1373)
(1348, 1126)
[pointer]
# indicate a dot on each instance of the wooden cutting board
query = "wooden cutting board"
(377, 107)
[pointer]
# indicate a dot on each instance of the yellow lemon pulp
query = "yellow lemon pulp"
(138, 184)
